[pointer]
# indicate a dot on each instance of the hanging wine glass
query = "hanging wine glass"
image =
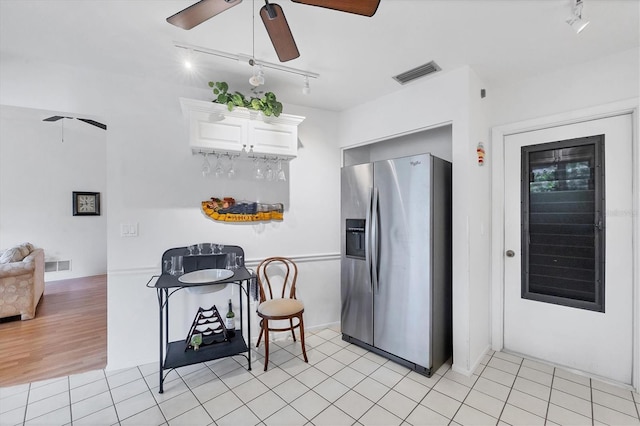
(232, 171)
(206, 166)
(269, 174)
(219, 171)
(258, 172)
(281, 176)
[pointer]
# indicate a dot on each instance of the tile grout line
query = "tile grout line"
(292, 377)
(268, 387)
(511, 389)
(465, 398)
(104, 374)
(591, 396)
(69, 394)
(350, 389)
(26, 405)
(106, 379)
(195, 396)
(546, 414)
(385, 394)
(423, 398)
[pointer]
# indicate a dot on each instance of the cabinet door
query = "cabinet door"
(216, 132)
(273, 138)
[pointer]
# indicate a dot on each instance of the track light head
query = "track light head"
(257, 79)
(306, 89)
(575, 21)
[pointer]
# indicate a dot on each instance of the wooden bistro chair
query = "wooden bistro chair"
(273, 273)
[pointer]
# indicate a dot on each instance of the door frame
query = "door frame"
(498, 135)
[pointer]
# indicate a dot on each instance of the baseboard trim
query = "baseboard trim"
(475, 366)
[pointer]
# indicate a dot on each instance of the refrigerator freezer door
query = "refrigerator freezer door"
(356, 291)
(402, 298)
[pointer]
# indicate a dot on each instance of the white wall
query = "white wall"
(436, 141)
(606, 80)
(38, 173)
(154, 181)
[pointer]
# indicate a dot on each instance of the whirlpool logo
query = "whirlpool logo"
(415, 163)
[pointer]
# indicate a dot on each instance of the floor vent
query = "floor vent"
(417, 72)
(57, 265)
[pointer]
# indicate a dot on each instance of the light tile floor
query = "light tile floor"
(342, 385)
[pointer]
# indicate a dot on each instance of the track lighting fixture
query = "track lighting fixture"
(257, 79)
(306, 89)
(575, 21)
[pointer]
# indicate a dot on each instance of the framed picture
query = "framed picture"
(86, 203)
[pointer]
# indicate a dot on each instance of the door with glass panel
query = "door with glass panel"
(568, 242)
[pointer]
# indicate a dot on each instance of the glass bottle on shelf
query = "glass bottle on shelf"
(230, 322)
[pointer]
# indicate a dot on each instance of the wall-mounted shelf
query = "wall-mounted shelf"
(213, 128)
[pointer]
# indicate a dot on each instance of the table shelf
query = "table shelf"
(172, 353)
(178, 357)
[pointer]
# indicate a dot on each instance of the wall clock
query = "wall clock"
(86, 203)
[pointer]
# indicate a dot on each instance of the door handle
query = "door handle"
(367, 238)
(375, 240)
(510, 253)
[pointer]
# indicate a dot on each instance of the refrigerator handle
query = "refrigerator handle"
(367, 238)
(374, 241)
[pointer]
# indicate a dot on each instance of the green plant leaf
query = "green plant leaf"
(238, 99)
(277, 108)
(256, 104)
(267, 104)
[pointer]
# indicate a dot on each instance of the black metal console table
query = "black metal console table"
(173, 354)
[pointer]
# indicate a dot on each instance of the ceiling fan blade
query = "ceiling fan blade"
(199, 12)
(359, 7)
(55, 118)
(279, 32)
(94, 123)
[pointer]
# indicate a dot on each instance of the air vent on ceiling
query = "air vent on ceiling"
(417, 72)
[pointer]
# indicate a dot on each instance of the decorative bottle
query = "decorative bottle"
(230, 321)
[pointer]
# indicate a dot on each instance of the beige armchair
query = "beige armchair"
(21, 281)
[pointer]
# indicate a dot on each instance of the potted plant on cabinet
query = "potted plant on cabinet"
(268, 104)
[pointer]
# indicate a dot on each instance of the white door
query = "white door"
(598, 343)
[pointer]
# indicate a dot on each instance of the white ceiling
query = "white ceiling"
(502, 40)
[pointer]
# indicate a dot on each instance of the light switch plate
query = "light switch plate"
(129, 230)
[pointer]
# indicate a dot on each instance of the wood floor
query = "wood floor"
(67, 336)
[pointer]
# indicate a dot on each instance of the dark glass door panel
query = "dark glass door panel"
(563, 223)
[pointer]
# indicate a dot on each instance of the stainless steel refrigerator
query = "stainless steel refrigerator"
(396, 259)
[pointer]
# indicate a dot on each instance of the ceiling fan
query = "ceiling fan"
(272, 17)
(86, 120)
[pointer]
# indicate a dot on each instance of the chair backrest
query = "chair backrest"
(277, 273)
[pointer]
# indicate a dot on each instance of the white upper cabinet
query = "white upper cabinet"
(213, 128)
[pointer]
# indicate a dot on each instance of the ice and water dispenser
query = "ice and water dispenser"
(355, 241)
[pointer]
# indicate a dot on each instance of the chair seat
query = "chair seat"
(280, 307)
